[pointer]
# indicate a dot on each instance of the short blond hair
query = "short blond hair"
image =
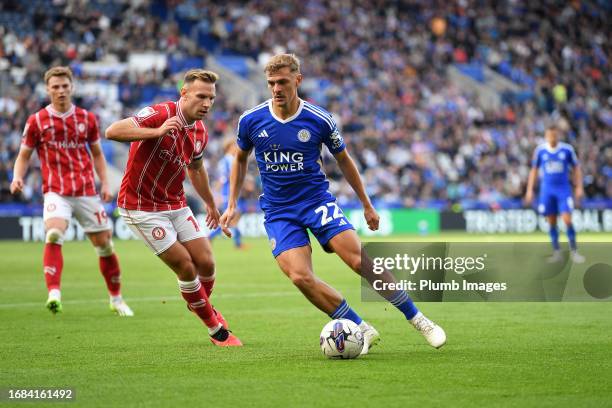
(281, 61)
(201, 75)
(58, 72)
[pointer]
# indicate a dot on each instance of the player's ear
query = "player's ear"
(183, 91)
(298, 79)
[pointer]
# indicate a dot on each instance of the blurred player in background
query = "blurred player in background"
(287, 134)
(224, 168)
(60, 134)
(557, 165)
(166, 139)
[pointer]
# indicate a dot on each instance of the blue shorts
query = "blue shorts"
(555, 202)
(288, 226)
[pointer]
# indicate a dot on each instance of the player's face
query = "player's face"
(552, 137)
(198, 99)
(59, 89)
(283, 85)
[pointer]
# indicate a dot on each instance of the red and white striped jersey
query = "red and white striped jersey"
(155, 172)
(61, 139)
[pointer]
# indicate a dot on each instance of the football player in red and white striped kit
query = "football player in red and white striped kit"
(60, 134)
(166, 139)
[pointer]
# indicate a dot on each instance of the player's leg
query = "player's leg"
(192, 238)
(89, 212)
(177, 257)
(348, 247)
(548, 207)
(296, 264)
(566, 206)
(57, 213)
(201, 253)
(236, 233)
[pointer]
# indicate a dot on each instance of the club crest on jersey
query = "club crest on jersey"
(303, 135)
(158, 233)
(562, 155)
(145, 112)
(81, 127)
(198, 146)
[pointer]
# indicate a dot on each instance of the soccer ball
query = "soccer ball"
(341, 338)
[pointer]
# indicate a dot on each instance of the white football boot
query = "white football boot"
(577, 258)
(555, 257)
(370, 336)
(433, 333)
(119, 306)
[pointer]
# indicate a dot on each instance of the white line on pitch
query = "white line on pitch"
(168, 298)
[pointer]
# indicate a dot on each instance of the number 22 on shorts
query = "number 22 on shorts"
(324, 213)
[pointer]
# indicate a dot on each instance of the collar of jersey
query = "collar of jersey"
(58, 114)
(551, 150)
(179, 113)
(290, 118)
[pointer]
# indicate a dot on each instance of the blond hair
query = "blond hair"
(58, 72)
(201, 75)
(281, 61)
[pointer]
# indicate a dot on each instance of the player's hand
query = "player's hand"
(226, 220)
(528, 198)
(16, 186)
(371, 217)
(105, 193)
(170, 124)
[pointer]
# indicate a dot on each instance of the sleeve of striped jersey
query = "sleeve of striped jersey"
(242, 132)
(152, 116)
(200, 154)
(333, 139)
(93, 133)
(535, 160)
(31, 133)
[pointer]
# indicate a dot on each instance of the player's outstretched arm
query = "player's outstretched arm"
(531, 180)
(20, 169)
(126, 130)
(237, 175)
(351, 174)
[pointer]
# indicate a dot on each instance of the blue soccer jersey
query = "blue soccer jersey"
(288, 151)
(295, 195)
(555, 166)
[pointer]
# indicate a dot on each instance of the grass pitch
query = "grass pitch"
(498, 354)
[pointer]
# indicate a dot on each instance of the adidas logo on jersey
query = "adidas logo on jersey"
(342, 222)
(263, 134)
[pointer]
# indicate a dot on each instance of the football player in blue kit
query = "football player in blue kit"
(287, 134)
(557, 165)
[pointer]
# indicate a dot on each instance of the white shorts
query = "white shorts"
(160, 229)
(88, 210)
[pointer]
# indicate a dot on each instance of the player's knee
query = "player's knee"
(105, 250)
(54, 236)
(186, 269)
(206, 267)
(302, 279)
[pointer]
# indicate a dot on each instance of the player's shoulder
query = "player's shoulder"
(566, 146)
(540, 148)
(255, 112)
(319, 114)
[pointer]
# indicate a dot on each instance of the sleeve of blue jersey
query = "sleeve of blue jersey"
(243, 141)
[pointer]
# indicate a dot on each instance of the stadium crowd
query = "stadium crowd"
(379, 66)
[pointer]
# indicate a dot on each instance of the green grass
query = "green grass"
(498, 354)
